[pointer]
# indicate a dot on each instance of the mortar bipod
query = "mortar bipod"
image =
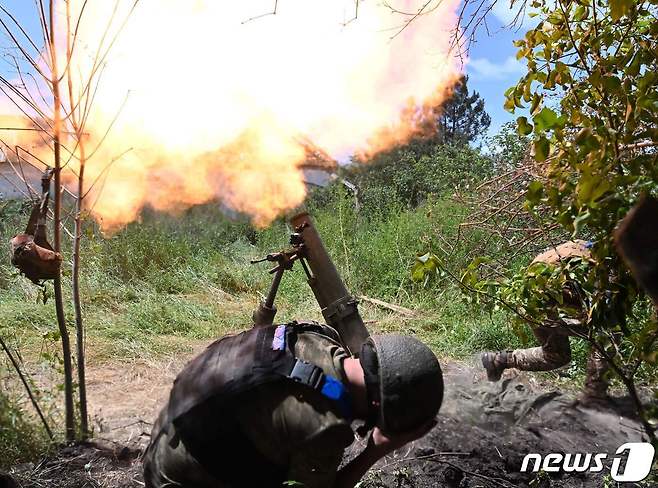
(31, 252)
(266, 310)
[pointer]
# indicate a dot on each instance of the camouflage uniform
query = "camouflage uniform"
(555, 350)
(554, 353)
(290, 426)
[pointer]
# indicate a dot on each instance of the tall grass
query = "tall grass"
(189, 276)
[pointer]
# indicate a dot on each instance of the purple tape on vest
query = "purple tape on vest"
(279, 340)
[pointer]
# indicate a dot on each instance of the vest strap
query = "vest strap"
(307, 374)
(312, 376)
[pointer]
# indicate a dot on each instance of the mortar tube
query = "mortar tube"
(339, 308)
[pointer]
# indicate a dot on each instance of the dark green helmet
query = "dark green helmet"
(404, 382)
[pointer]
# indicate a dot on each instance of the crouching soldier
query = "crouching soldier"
(275, 404)
(554, 350)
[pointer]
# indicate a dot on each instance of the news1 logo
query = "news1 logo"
(636, 468)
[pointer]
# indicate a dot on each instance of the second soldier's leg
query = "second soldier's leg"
(554, 352)
(596, 383)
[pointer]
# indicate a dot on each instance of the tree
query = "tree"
(590, 86)
(462, 119)
(407, 175)
(55, 90)
(508, 148)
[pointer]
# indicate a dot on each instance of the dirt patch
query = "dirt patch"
(126, 397)
(88, 465)
(484, 431)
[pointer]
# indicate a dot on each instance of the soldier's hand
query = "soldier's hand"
(388, 443)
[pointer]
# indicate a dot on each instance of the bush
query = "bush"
(21, 438)
(407, 176)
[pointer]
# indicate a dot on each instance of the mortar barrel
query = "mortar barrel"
(339, 308)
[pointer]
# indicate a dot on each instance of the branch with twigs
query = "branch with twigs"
(27, 387)
(60, 121)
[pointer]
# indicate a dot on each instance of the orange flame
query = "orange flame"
(215, 106)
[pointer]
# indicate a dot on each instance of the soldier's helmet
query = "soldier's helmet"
(403, 380)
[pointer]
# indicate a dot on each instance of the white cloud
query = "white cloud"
(483, 69)
(515, 13)
(506, 13)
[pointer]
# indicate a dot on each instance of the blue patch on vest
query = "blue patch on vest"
(336, 391)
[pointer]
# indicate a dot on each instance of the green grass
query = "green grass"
(21, 438)
(189, 277)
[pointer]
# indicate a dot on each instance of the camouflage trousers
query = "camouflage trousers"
(167, 464)
(555, 352)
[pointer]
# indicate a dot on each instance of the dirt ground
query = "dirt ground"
(484, 431)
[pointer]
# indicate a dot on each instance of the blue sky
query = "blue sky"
(493, 66)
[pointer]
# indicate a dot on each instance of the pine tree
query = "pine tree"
(462, 118)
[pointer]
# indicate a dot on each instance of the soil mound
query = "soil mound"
(486, 429)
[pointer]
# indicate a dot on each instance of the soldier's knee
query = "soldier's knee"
(558, 358)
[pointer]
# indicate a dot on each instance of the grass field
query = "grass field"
(189, 276)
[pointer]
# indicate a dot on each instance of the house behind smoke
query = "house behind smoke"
(16, 131)
(319, 168)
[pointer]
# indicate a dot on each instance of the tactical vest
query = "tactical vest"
(209, 385)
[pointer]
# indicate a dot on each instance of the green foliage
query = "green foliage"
(426, 266)
(21, 438)
(541, 294)
(597, 145)
(408, 175)
(601, 59)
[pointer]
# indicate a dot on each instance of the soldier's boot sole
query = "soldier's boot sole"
(493, 369)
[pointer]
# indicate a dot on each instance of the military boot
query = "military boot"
(495, 363)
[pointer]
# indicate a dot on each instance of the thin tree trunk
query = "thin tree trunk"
(79, 326)
(57, 237)
(80, 336)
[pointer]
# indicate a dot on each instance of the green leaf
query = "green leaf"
(619, 8)
(612, 83)
(546, 119)
(580, 13)
(523, 127)
(417, 273)
(509, 105)
(541, 148)
(535, 192)
(591, 188)
(536, 100)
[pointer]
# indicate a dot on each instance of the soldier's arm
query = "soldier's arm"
(315, 462)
